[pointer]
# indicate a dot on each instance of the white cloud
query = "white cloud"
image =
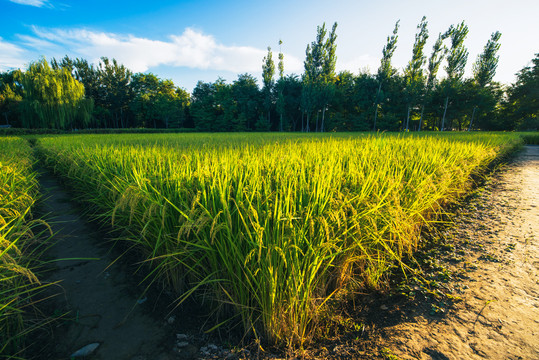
(11, 56)
(36, 3)
(191, 49)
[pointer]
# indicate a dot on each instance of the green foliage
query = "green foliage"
(386, 70)
(10, 97)
(457, 54)
(319, 76)
(484, 68)
(116, 98)
(52, 98)
(413, 74)
(268, 71)
(522, 104)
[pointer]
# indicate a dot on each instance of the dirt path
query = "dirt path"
(102, 307)
(499, 315)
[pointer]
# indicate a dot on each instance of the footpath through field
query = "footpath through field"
(499, 315)
(102, 309)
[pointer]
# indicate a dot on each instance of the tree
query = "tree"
(280, 104)
(290, 90)
(386, 70)
(319, 75)
(328, 72)
(10, 96)
(203, 106)
(268, 71)
(248, 101)
(484, 69)
(114, 92)
(521, 109)
(414, 78)
(437, 55)
(456, 62)
(52, 98)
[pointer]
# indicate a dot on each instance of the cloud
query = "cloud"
(191, 49)
(36, 3)
(11, 56)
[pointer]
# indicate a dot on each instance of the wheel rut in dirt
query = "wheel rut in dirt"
(94, 290)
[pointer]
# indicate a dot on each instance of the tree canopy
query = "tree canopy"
(74, 94)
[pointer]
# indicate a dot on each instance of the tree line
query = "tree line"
(74, 94)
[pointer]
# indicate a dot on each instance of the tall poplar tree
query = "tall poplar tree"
(280, 105)
(319, 75)
(484, 68)
(386, 70)
(456, 62)
(328, 72)
(436, 57)
(268, 71)
(413, 74)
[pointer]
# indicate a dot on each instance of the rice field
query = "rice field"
(18, 248)
(266, 228)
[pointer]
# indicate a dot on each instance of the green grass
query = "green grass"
(18, 244)
(265, 228)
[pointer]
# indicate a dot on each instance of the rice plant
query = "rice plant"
(266, 228)
(18, 251)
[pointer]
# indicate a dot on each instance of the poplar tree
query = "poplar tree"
(386, 70)
(485, 66)
(436, 57)
(328, 72)
(280, 105)
(319, 76)
(414, 78)
(268, 71)
(456, 62)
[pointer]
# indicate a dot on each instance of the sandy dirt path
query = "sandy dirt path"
(499, 315)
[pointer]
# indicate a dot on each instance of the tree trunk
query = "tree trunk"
(281, 122)
(317, 116)
(323, 116)
(376, 105)
(408, 119)
(471, 121)
(421, 118)
(302, 116)
(375, 116)
(445, 111)
(308, 121)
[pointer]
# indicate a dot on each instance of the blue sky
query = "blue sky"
(187, 41)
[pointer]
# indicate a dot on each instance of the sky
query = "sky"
(190, 40)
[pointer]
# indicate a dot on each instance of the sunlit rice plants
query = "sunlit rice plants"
(18, 193)
(267, 227)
